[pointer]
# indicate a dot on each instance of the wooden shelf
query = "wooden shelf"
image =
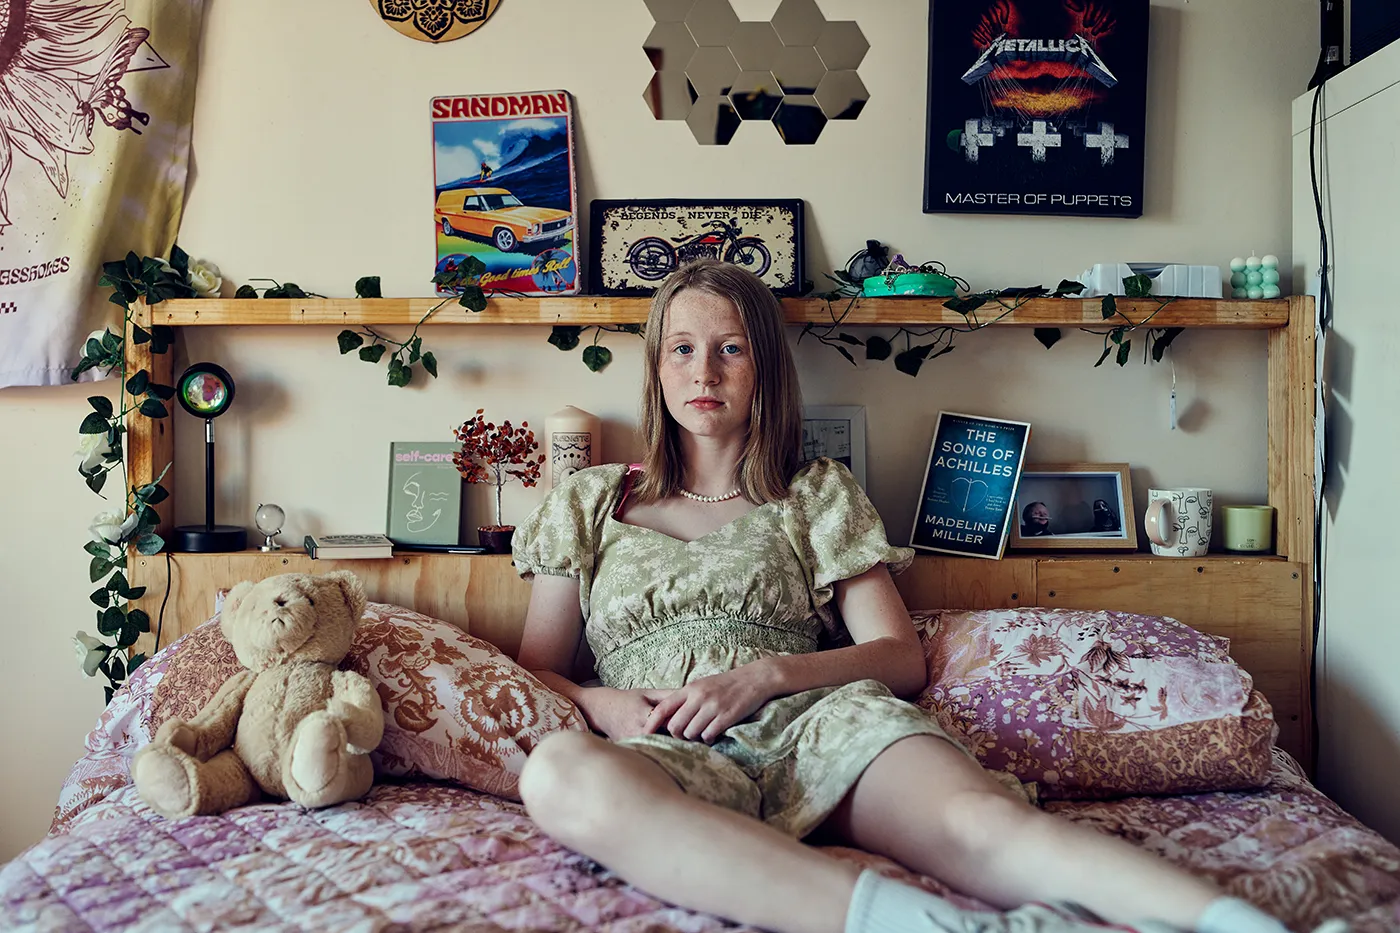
(585, 310)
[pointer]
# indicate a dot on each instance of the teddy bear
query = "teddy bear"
(290, 724)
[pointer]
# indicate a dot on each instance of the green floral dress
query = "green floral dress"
(661, 612)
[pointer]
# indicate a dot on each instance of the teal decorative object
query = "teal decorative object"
(909, 284)
(901, 279)
(1255, 277)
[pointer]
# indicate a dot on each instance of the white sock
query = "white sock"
(1232, 915)
(883, 905)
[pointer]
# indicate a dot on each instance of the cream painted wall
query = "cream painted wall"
(1358, 691)
(313, 163)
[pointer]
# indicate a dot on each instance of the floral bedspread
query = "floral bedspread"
(418, 856)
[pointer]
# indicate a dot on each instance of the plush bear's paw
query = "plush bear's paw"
(165, 779)
(317, 752)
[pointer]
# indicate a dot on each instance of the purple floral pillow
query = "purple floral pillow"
(1096, 704)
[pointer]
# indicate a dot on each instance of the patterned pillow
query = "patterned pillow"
(1096, 704)
(455, 707)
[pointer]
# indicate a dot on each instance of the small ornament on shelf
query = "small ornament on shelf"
(1255, 277)
(269, 519)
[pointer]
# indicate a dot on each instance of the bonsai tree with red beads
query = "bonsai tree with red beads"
(495, 455)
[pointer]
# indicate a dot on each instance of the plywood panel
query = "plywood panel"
(345, 312)
(1257, 604)
(1292, 405)
(481, 594)
(150, 448)
(967, 583)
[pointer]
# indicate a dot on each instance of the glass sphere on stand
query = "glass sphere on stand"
(269, 519)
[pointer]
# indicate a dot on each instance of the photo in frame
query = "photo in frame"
(635, 244)
(838, 432)
(1075, 505)
(1036, 107)
(969, 492)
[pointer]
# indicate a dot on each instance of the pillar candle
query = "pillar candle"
(574, 441)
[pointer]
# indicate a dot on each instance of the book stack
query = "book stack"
(348, 547)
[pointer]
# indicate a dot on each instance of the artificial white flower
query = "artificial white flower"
(92, 451)
(91, 652)
(111, 526)
(98, 335)
(205, 278)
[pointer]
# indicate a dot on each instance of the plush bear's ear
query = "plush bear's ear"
(352, 589)
(236, 596)
(228, 615)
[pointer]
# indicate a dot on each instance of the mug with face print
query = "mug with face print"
(1179, 521)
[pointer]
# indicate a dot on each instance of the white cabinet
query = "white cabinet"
(1358, 707)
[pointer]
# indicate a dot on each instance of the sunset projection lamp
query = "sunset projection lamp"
(205, 390)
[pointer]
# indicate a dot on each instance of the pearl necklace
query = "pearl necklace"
(699, 498)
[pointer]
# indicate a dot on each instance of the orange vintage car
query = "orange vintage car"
(497, 215)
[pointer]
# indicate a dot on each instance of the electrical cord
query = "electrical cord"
(1324, 324)
(160, 618)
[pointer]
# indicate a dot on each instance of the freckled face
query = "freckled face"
(706, 367)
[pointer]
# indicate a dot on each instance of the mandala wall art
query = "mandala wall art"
(435, 20)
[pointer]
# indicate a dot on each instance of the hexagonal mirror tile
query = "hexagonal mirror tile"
(669, 11)
(799, 22)
(712, 22)
(670, 45)
(669, 95)
(713, 121)
(756, 95)
(799, 69)
(842, 95)
(712, 71)
(799, 120)
(842, 46)
(755, 46)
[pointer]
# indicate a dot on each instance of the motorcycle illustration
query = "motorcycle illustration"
(652, 258)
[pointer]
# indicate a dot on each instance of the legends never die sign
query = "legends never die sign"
(1036, 107)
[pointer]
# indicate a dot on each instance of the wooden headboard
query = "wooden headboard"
(1256, 603)
(1264, 605)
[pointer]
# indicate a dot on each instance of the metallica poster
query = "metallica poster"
(1036, 107)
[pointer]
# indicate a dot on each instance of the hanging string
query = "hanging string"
(1172, 405)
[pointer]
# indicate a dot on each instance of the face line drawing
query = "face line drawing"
(414, 490)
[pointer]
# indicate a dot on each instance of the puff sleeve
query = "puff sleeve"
(835, 529)
(560, 537)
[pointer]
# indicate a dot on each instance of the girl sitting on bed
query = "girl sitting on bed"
(703, 583)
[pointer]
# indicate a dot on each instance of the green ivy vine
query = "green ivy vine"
(1003, 302)
(134, 522)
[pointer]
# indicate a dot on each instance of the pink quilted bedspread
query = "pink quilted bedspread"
(419, 856)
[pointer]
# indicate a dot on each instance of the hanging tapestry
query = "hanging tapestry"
(96, 105)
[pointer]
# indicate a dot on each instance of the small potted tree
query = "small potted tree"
(493, 455)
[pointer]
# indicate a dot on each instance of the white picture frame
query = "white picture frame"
(1071, 493)
(838, 432)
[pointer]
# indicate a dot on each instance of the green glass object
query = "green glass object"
(927, 284)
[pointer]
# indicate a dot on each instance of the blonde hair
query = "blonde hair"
(773, 452)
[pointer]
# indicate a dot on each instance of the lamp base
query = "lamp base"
(220, 538)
